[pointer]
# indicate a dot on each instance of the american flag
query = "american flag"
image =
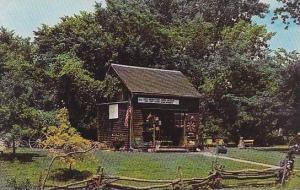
(127, 117)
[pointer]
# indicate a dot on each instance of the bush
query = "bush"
(278, 141)
(64, 139)
(117, 144)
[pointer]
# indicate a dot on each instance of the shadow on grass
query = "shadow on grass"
(21, 157)
(64, 174)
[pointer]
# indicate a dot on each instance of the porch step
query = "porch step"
(162, 149)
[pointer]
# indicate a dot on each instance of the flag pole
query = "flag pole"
(130, 124)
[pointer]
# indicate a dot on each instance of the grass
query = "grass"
(32, 164)
(268, 157)
(160, 165)
(140, 165)
(29, 165)
(262, 156)
(294, 183)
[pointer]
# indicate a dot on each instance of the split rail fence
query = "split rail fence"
(218, 179)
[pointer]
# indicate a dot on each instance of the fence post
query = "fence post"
(179, 176)
(100, 177)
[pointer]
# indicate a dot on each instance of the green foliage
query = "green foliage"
(247, 38)
(213, 127)
(143, 33)
(77, 90)
(245, 87)
(23, 101)
(219, 12)
(242, 83)
(69, 76)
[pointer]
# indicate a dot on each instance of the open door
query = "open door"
(160, 127)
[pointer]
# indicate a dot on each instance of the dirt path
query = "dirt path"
(209, 154)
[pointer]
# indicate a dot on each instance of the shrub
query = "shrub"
(117, 144)
(64, 139)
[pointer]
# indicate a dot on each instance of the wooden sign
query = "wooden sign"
(146, 100)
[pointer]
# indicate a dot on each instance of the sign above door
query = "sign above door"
(146, 100)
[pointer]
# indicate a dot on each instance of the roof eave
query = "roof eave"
(168, 95)
(156, 94)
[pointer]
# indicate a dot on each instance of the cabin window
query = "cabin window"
(113, 111)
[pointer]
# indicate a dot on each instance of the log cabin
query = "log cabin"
(154, 109)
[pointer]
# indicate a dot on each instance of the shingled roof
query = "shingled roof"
(155, 81)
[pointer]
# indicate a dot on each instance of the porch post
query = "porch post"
(131, 124)
(98, 124)
(154, 134)
(184, 130)
(131, 128)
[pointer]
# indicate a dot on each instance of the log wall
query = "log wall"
(111, 130)
(138, 122)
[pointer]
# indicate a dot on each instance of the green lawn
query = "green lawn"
(139, 165)
(266, 157)
(160, 165)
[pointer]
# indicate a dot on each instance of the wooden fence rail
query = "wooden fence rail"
(217, 179)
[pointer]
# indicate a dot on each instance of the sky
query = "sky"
(25, 16)
(287, 39)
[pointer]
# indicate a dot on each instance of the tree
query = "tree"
(246, 38)
(76, 89)
(221, 13)
(12, 45)
(143, 33)
(289, 89)
(23, 108)
(239, 83)
(63, 139)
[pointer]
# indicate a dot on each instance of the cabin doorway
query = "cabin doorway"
(160, 128)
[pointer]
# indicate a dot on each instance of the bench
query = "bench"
(249, 143)
(209, 143)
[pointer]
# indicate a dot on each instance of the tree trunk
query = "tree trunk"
(14, 146)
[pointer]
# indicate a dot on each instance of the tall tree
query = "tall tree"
(23, 99)
(240, 82)
(76, 90)
(289, 89)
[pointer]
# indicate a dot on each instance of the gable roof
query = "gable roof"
(155, 81)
